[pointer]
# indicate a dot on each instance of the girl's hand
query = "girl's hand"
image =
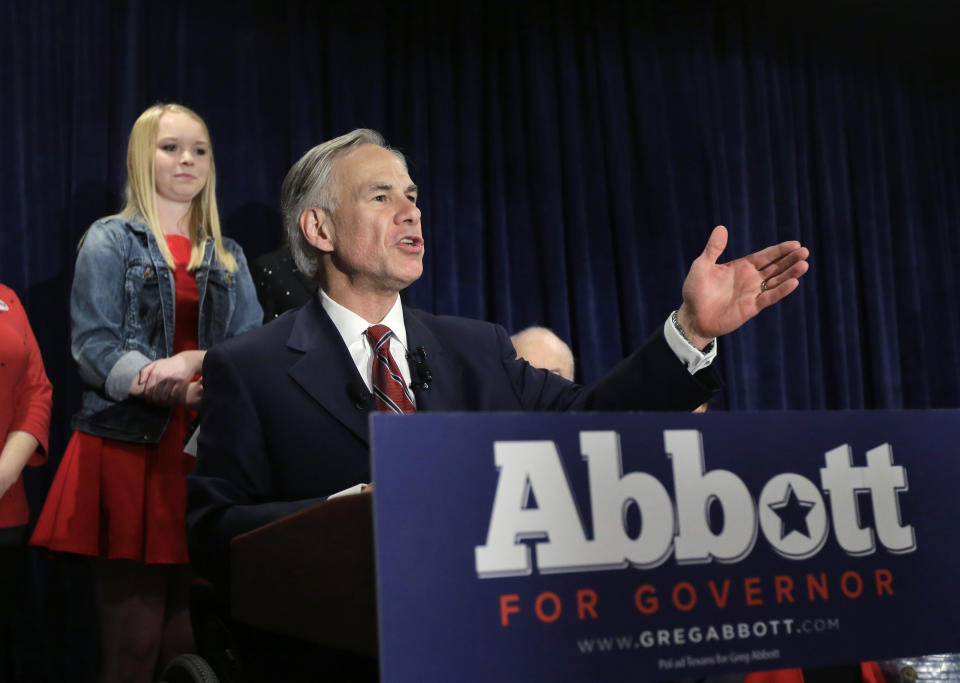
(166, 381)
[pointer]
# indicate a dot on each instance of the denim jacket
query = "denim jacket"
(122, 316)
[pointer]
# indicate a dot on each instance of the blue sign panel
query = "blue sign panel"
(662, 546)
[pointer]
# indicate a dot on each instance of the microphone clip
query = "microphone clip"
(420, 371)
(359, 394)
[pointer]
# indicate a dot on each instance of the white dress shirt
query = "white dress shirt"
(352, 329)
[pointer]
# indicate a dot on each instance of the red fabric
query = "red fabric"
(871, 673)
(869, 670)
(119, 500)
(25, 397)
(389, 387)
(187, 309)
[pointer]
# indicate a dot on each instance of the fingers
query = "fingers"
(793, 269)
(715, 244)
(160, 383)
(774, 294)
(136, 389)
(193, 395)
(786, 261)
(771, 255)
(151, 381)
(173, 369)
(157, 374)
(158, 393)
(144, 375)
(167, 392)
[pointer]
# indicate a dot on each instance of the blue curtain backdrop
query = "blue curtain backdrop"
(572, 158)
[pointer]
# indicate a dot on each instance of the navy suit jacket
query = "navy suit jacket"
(281, 428)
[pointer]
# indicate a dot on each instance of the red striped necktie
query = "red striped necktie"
(389, 389)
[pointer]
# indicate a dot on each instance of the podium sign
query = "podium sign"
(616, 547)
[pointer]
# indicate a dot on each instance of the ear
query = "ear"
(317, 228)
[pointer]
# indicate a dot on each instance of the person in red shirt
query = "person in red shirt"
(25, 398)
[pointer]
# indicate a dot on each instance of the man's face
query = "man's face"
(375, 235)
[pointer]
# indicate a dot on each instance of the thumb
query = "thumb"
(716, 244)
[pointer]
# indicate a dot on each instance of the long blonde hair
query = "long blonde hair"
(140, 191)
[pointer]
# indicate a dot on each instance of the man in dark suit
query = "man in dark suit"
(284, 418)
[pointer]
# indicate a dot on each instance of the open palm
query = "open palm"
(720, 297)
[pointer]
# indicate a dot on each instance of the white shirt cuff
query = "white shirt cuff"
(693, 358)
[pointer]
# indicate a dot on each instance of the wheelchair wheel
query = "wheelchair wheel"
(188, 669)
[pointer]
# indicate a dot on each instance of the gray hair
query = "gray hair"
(310, 183)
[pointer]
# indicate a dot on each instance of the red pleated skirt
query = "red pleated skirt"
(120, 501)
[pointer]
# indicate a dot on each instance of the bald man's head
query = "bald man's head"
(543, 349)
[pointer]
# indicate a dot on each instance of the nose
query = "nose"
(186, 157)
(409, 212)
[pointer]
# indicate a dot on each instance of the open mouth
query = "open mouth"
(412, 241)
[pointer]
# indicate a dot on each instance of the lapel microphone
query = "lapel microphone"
(359, 394)
(420, 371)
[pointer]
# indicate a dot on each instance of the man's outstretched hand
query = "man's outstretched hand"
(720, 297)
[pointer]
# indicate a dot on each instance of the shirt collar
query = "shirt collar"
(352, 326)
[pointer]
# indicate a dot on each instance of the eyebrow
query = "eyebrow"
(174, 138)
(387, 187)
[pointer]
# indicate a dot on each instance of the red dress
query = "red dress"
(25, 397)
(118, 500)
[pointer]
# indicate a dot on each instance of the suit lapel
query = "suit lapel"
(443, 392)
(326, 369)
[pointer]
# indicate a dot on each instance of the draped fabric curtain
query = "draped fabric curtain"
(572, 159)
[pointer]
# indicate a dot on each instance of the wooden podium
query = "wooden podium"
(311, 576)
